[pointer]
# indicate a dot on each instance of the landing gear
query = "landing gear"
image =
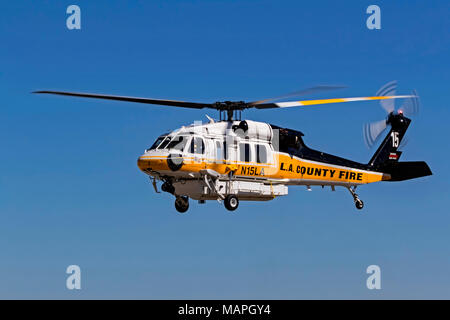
(168, 187)
(231, 202)
(181, 204)
(359, 204)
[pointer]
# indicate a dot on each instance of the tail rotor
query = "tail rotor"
(410, 107)
(372, 131)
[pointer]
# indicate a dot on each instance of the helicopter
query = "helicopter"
(232, 159)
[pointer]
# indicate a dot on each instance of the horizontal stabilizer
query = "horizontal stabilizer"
(400, 171)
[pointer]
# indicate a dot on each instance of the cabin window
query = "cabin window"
(197, 146)
(261, 153)
(225, 151)
(244, 152)
(219, 151)
(290, 141)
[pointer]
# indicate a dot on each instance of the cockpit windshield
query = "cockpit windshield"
(157, 142)
(167, 142)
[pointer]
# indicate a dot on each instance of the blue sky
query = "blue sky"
(71, 192)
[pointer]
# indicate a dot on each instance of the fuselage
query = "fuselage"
(255, 151)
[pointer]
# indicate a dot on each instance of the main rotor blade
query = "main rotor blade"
(173, 103)
(323, 101)
(302, 92)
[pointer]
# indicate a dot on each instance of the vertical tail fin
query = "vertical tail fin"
(387, 152)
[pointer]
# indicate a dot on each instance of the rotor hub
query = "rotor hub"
(230, 108)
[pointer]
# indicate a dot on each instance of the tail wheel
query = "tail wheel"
(231, 202)
(182, 204)
(359, 204)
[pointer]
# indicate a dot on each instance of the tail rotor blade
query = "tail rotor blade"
(389, 89)
(372, 131)
(411, 106)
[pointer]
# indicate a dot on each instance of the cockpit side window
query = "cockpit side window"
(178, 143)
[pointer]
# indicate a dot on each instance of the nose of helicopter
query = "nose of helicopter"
(151, 162)
(142, 163)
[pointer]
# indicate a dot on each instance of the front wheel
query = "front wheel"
(231, 202)
(182, 204)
